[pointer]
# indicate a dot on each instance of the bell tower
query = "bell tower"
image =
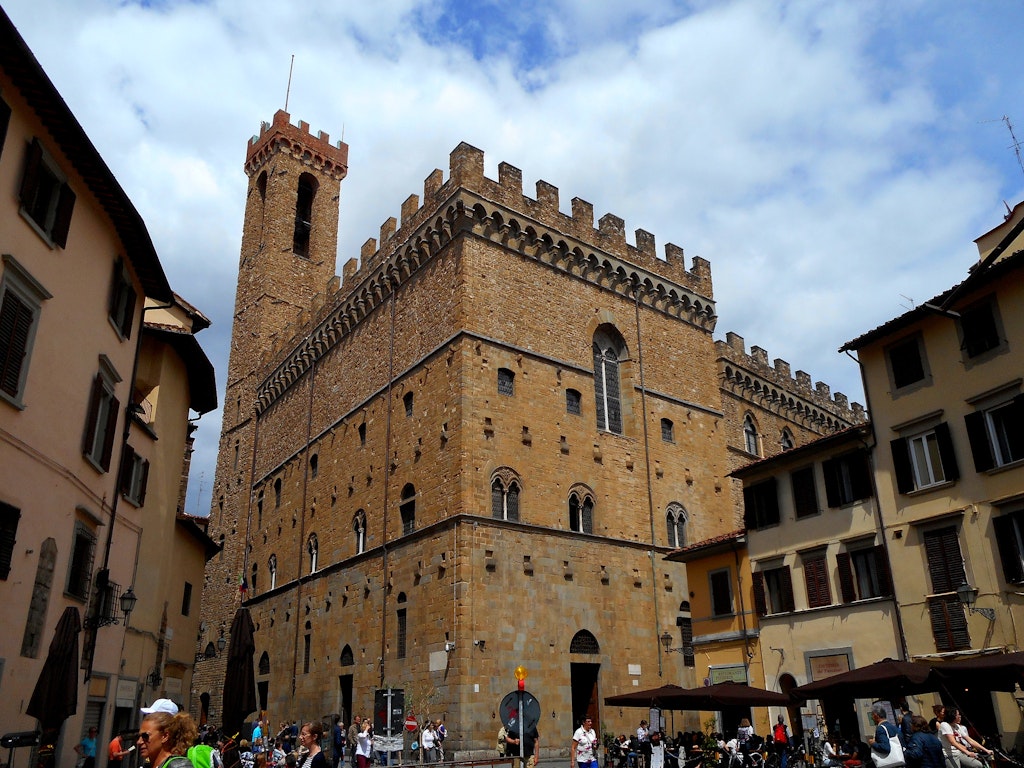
(288, 254)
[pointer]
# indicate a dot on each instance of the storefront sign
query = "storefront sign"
(826, 666)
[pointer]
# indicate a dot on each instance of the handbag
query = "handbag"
(894, 759)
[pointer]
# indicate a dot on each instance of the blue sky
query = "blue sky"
(833, 160)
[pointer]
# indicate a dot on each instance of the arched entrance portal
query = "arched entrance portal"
(583, 674)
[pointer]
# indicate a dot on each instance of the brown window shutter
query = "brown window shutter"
(831, 483)
(977, 435)
(1009, 548)
(816, 575)
(15, 324)
(127, 459)
(108, 443)
(946, 453)
(846, 586)
(788, 604)
(760, 604)
(945, 562)
(883, 570)
(901, 464)
(30, 181)
(91, 414)
(62, 221)
(143, 481)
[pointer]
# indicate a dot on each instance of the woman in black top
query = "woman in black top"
(309, 737)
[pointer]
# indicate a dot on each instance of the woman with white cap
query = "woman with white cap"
(165, 735)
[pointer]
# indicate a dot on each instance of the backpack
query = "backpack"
(501, 745)
(779, 734)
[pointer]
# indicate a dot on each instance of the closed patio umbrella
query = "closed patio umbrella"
(240, 678)
(55, 697)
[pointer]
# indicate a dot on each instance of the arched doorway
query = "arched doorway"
(584, 666)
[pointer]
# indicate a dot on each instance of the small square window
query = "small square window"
(573, 401)
(980, 329)
(506, 382)
(720, 583)
(668, 433)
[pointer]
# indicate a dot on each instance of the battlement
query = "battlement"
(497, 210)
(466, 171)
(299, 140)
(773, 383)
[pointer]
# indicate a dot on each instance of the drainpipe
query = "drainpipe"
(878, 505)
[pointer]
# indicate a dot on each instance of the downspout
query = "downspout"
(119, 477)
(743, 612)
(387, 484)
(878, 505)
(647, 462)
(302, 529)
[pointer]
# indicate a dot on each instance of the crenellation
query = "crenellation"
(409, 208)
(466, 166)
(759, 355)
(582, 215)
(366, 252)
(387, 229)
(823, 389)
(324, 136)
(735, 341)
(303, 126)
(803, 379)
(645, 244)
(613, 228)
(510, 179)
(547, 199)
(782, 367)
(841, 400)
(432, 184)
(349, 269)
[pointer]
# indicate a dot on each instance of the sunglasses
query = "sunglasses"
(144, 735)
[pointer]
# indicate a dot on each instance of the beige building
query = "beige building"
(822, 586)
(943, 384)
(89, 479)
(469, 453)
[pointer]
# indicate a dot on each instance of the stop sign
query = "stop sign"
(410, 723)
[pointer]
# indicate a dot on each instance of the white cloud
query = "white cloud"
(826, 157)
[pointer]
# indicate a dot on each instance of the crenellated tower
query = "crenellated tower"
(288, 253)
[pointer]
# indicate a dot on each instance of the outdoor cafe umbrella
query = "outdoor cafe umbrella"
(997, 672)
(887, 678)
(55, 697)
(240, 679)
(710, 698)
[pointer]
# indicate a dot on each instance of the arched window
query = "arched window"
(408, 509)
(211, 650)
(400, 615)
(581, 510)
(668, 431)
(573, 402)
(259, 509)
(608, 351)
(362, 434)
(675, 521)
(314, 465)
(347, 658)
(505, 487)
(264, 665)
(261, 186)
(359, 527)
(584, 642)
(786, 440)
(272, 570)
(407, 402)
(311, 547)
(304, 214)
(277, 492)
(750, 439)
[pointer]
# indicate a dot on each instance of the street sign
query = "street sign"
(410, 723)
(509, 711)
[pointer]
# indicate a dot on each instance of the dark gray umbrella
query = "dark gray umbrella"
(240, 679)
(887, 678)
(710, 698)
(997, 672)
(55, 697)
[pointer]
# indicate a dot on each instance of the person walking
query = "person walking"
(364, 744)
(428, 741)
(780, 738)
(338, 741)
(86, 748)
(353, 734)
(924, 750)
(584, 746)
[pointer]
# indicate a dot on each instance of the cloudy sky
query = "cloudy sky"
(833, 160)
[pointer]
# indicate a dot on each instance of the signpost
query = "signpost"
(520, 712)
(389, 718)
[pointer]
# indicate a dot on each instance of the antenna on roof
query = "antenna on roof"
(1015, 145)
(288, 91)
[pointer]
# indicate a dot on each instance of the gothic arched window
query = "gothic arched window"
(581, 510)
(408, 509)
(272, 570)
(505, 487)
(675, 521)
(359, 527)
(608, 351)
(750, 439)
(304, 214)
(311, 547)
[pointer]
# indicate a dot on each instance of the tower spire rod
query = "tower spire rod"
(288, 90)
